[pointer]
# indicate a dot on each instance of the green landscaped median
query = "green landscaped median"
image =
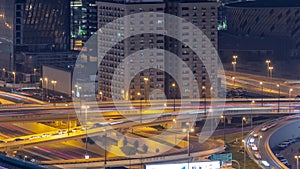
(237, 150)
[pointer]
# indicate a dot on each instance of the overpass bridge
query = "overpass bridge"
(166, 120)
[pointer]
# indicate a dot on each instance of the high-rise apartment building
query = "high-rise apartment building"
(145, 53)
(83, 22)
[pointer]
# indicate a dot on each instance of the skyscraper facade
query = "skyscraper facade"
(151, 81)
(83, 22)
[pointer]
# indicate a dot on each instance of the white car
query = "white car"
(265, 163)
(254, 147)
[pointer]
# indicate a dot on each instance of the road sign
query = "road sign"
(225, 158)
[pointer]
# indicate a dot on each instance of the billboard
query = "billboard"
(194, 165)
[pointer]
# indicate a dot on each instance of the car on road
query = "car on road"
(265, 163)
(19, 139)
(254, 147)
(252, 140)
(264, 128)
(255, 135)
(257, 155)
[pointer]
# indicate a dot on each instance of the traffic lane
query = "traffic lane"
(253, 83)
(11, 131)
(58, 151)
(263, 145)
(14, 99)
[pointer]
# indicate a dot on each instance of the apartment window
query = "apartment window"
(186, 90)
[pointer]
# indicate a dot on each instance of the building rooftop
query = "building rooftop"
(267, 4)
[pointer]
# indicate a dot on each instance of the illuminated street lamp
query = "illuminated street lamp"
(252, 103)
(270, 71)
(188, 130)
(262, 93)
(243, 141)
(234, 62)
(234, 57)
(234, 66)
(268, 62)
(78, 88)
(46, 80)
(146, 88)
(53, 85)
(14, 73)
(290, 92)
(204, 89)
(139, 95)
(42, 81)
(233, 79)
(68, 122)
(243, 119)
(101, 94)
(290, 96)
(278, 102)
(224, 123)
(174, 94)
(297, 161)
(86, 156)
(3, 73)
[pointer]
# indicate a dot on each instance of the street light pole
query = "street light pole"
(233, 79)
(252, 103)
(14, 73)
(86, 131)
(268, 61)
(3, 73)
(224, 125)
(297, 161)
(271, 70)
(290, 96)
(46, 80)
(204, 89)
(53, 85)
(100, 93)
(234, 66)
(42, 81)
(262, 93)
(188, 130)
(78, 88)
(174, 94)
(105, 146)
(278, 101)
(34, 76)
(243, 141)
(139, 94)
(146, 88)
(234, 62)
